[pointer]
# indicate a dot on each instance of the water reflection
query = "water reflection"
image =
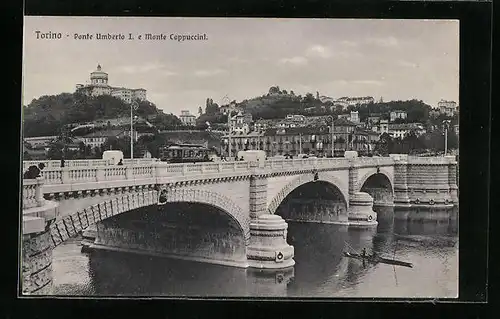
(320, 269)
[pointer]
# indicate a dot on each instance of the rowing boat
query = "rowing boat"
(377, 259)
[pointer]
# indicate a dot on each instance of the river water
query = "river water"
(427, 239)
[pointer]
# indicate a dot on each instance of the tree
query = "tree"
(274, 90)
(48, 114)
(383, 145)
(200, 111)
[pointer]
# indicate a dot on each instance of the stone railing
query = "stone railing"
(372, 161)
(77, 174)
(32, 193)
(420, 160)
(87, 162)
(305, 163)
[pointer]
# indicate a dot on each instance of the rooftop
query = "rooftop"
(105, 133)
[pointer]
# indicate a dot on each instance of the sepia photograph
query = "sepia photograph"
(239, 157)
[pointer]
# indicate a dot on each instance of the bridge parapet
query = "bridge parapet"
(87, 163)
(32, 193)
(372, 161)
(90, 174)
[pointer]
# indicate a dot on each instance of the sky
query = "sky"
(243, 58)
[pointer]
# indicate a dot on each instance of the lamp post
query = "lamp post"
(300, 143)
(229, 134)
(445, 124)
(225, 100)
(133, 106)
(333, 136)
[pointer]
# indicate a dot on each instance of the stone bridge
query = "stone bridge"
(251, 197)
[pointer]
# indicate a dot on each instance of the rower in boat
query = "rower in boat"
(374, 258)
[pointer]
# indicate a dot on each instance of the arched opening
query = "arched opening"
(319, 201)
(192, 231)
(379, 187)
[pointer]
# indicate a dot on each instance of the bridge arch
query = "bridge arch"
(304, 179)
(379, 185)
(378, 172)
(72, 224)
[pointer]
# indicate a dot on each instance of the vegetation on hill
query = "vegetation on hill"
(413, 144)
(48, 114)
(279, 103)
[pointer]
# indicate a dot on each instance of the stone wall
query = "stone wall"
(173, 240)
(381, 196)
(313, 210)
(37, 264)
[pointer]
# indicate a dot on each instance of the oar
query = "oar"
(394, 266)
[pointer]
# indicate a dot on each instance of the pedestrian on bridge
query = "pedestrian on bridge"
(62, 161)
(120, 163)
(32, 172)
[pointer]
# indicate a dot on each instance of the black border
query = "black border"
(475, 89)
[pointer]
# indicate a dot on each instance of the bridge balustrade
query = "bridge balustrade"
(78, 174)
(374, 161)
(87, 163)
(32, 193)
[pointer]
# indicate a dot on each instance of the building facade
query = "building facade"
(402, 130)
(39, 141)
(312, 140)
(382, 127)
(449, 108)
(398, 115)
(99, 86)
(240, 123)
(354, 116)
(187, 118)
(98, 138)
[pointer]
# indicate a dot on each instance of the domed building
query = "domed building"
(99, 86)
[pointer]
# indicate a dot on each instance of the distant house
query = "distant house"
(39, 141)
(187, 118)
(240, 123)
(226, 109)
(401, 130)
(382, 127)
(373, 119)
(353, 101)
(447, 107)
(98, 138)
(354, 116)
(398, 115)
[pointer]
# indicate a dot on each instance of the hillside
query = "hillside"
(279, 103)
(48, 114)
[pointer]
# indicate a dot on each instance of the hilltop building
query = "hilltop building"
(99, 86)
(240, 123)
(187, 118)
(447, 107)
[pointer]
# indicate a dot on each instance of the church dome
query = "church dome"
(98, 72)
(99, 76)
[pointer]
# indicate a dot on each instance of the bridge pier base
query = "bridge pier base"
(36, 260)
(360, 211)
(268, 248)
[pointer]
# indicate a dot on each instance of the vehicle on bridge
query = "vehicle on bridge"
(185, 153)
(113, 157)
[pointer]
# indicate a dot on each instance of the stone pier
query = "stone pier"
(360, 211)
(268, 247)
(36, 260)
